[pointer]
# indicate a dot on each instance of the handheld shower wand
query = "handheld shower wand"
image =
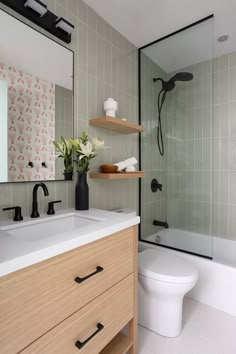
(167, 86)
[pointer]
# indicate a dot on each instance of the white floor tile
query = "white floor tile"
(205, 346)
(149, 342)
(205, 331)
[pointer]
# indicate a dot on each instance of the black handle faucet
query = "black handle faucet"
(35, 212)
(18, 216)
(51, 210)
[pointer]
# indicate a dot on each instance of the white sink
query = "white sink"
(48, 227)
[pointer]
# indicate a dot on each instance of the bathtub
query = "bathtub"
(216, 286)
(221, 250)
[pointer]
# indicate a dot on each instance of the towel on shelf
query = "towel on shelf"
(122, 165)
(130, 161)
(130, 168)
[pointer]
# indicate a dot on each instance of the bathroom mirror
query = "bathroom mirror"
(36, 102)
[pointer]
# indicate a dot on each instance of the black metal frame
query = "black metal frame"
(47, 21)
(139, 109)
(73, 87)
(177, 249)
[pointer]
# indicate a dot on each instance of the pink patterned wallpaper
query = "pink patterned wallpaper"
(31, 125)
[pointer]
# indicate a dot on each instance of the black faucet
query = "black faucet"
(18, 216)
(35, 212)
(161, 223)
(51, 210)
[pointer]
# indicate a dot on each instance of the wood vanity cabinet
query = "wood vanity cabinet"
(77, 302)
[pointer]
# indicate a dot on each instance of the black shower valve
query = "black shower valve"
(155, 185)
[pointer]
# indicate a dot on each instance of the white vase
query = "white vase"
(110, 107)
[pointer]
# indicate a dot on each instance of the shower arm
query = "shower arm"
(158, 79)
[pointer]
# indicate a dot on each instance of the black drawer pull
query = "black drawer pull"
(80, 345)
(81, 280)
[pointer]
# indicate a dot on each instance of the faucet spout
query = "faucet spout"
(35, 212)
(161, 223)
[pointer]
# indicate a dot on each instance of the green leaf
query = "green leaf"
(57, 146)
(66, 152)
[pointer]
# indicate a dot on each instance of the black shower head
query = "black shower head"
(184, 76)
(170, 84)
(166, 87)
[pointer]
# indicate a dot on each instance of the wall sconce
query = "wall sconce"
(37, 12)
(64, 25)
(37, 5)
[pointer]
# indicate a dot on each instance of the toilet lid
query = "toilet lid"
(166, 267)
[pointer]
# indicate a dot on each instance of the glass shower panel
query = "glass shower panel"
(224, 151)
(176, 109)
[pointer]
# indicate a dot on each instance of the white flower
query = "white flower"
(98, 144)
(86, 149)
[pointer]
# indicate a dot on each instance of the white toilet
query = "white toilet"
(164, 279)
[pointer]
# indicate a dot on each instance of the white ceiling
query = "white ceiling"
(144, 21)
(33, 53)
(184, 49)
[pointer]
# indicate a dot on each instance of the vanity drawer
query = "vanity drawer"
(35, 299)
(106, 315)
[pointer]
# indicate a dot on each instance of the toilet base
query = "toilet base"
(160, 309)
(162, 318)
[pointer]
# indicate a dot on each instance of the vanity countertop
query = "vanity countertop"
(17, 253)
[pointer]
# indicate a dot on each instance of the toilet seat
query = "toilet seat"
(166, 267)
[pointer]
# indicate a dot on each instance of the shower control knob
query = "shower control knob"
(155, 185)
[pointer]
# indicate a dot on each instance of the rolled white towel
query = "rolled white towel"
(122, 165)
(131, 161)
(130, 168)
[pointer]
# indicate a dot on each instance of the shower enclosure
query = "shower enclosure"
(183, 107)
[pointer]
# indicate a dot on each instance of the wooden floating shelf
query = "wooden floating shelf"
(119, 175)
(120, 344)
(116, 124)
